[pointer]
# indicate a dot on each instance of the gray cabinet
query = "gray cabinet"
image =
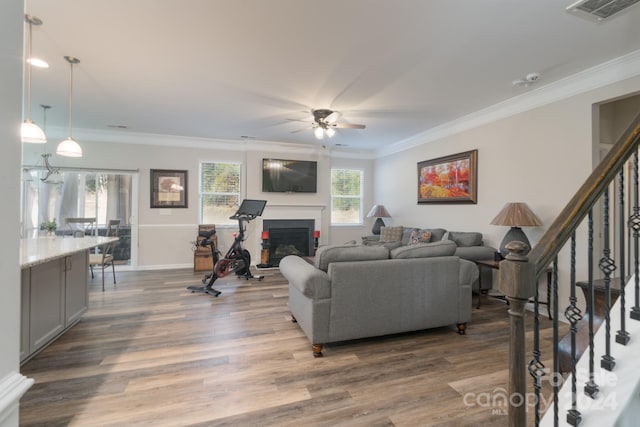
(54, 297)
(46, 308)
(76, 287)
(25, 289)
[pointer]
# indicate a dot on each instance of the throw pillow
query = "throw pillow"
(419, 236)
(391, 234)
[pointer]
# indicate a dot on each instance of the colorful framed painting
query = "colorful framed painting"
(168, 188)
(449, 179)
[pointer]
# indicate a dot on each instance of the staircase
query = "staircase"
(602, 387)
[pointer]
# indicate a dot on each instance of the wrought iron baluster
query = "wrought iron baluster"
(536, 367)
(634, 223)
(573, 315)
(622, 336)
(607, 266)
(591, 388)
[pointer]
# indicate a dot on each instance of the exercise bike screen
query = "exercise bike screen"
(252, 207)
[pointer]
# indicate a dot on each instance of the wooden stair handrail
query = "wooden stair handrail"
(578, 207)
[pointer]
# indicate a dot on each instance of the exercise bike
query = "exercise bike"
(237, 259)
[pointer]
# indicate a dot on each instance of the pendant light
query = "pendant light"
(31, 132)
(68, 147)
(52, 175)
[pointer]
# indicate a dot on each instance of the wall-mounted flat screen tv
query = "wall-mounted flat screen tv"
(289, 176)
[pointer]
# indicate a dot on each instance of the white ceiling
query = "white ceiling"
(222, 69)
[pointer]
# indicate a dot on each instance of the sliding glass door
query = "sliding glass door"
(103, 195)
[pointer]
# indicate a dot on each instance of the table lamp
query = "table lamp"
(379, 212)
(515, 215)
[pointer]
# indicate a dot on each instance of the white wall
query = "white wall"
(539, 156)
(165, 235)
(12, 383)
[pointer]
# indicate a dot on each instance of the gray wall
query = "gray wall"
(165, 235)
(540, 157)
(12, 383)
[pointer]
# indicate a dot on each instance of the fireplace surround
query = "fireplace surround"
(289, 237)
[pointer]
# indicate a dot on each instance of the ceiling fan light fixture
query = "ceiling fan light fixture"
(319, 132)
(330, 132)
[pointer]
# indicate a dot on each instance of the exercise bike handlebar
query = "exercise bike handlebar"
(243, 217)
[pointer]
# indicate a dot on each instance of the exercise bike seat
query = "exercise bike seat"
(206, 233)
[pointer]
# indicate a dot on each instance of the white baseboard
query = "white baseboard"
(12, 387)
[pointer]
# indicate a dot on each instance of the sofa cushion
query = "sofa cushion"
(475, 253)
(466, 238)
(425, 250)
(391, 234)
(340, 253)
(371, 240)
(375, 241)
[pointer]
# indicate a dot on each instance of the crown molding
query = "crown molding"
(609, 72)
(125, 137)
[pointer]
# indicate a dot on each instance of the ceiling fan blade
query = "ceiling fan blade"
(300, 130)
(298, 120)
(348, 126)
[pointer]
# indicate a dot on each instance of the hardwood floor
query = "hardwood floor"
(149, 352)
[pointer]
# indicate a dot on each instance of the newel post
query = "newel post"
(517, 282)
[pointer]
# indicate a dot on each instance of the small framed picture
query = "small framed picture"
(168, 188)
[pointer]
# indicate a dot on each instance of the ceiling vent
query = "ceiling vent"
(600, 9)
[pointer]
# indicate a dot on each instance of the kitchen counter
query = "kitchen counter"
(44, 249)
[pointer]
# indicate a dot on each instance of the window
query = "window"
(86, 194)
(219, 192)
(346, 196)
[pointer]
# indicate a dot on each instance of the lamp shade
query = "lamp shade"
(378, 211)
(32, 134)
(69, 148)
(516, 214)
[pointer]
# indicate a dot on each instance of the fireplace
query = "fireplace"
(289, 237)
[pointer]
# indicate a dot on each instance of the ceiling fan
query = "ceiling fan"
(325, 122)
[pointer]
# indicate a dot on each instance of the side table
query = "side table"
(490, 263)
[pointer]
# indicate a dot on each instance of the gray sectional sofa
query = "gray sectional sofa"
(359, 291)
(469, 246)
